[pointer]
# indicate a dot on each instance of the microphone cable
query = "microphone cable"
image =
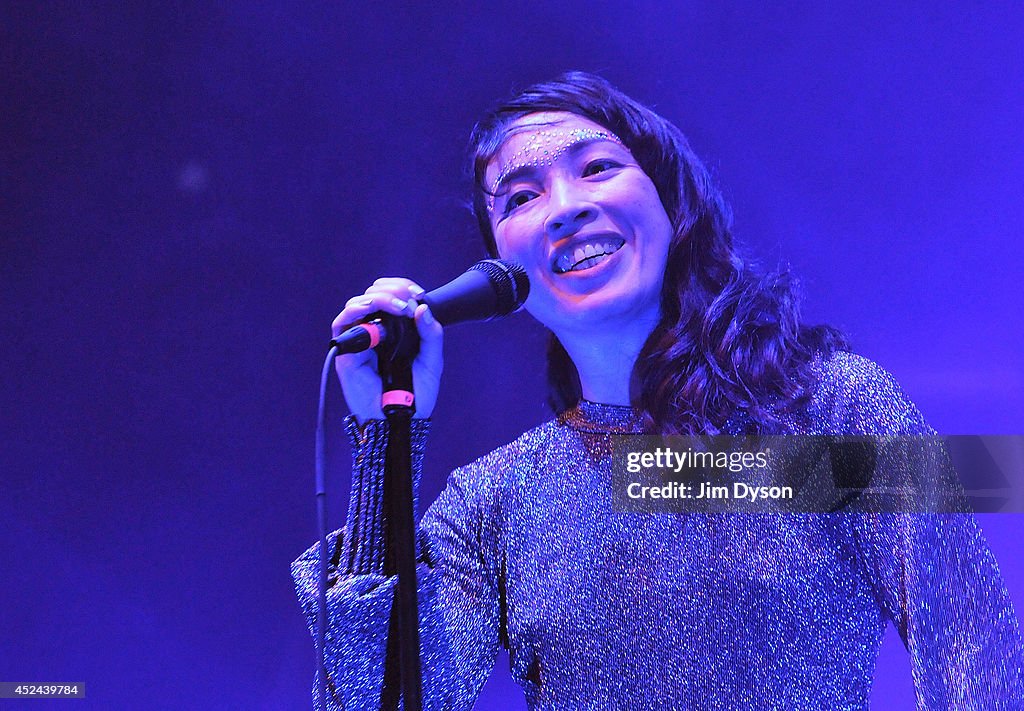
(321, 515)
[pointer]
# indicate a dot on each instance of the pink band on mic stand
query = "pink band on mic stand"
(397, 397)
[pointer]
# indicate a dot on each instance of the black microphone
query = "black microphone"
(489, 289)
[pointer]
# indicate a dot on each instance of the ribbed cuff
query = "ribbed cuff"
(365, 542)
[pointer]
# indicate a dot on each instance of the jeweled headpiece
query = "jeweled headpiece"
(544, 148)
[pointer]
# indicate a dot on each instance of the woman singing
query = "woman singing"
(657, 326)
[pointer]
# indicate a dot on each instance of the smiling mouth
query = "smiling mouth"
(587, 255)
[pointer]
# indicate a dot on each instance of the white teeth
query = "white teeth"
(586, 255)
(590, 262)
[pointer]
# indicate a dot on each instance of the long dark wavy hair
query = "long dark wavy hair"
(730, 339)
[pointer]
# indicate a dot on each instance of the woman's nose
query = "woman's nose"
(568, 210)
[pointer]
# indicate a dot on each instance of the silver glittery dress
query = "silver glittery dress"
(605, 610)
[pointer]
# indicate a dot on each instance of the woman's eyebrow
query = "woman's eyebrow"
(527, 170)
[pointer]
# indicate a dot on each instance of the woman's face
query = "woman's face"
(573, 207)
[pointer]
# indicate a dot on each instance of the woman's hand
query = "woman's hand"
(357, 372)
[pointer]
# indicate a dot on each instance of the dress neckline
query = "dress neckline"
(590, 416)
(598, 417)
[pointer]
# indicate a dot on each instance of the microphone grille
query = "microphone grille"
(511, 285)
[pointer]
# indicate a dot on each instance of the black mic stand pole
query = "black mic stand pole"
(394, 359)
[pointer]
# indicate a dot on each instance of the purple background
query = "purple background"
(190, 192)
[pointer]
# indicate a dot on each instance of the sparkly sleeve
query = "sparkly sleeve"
(934, 575)
(458, 599)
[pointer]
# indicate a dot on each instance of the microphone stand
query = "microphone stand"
(488, 289)
(394, 359)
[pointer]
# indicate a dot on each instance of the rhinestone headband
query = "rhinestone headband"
(545, 147)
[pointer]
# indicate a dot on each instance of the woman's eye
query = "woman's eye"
(517, 199)
(599, 166)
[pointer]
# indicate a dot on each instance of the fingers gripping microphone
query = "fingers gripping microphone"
(489, 289)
